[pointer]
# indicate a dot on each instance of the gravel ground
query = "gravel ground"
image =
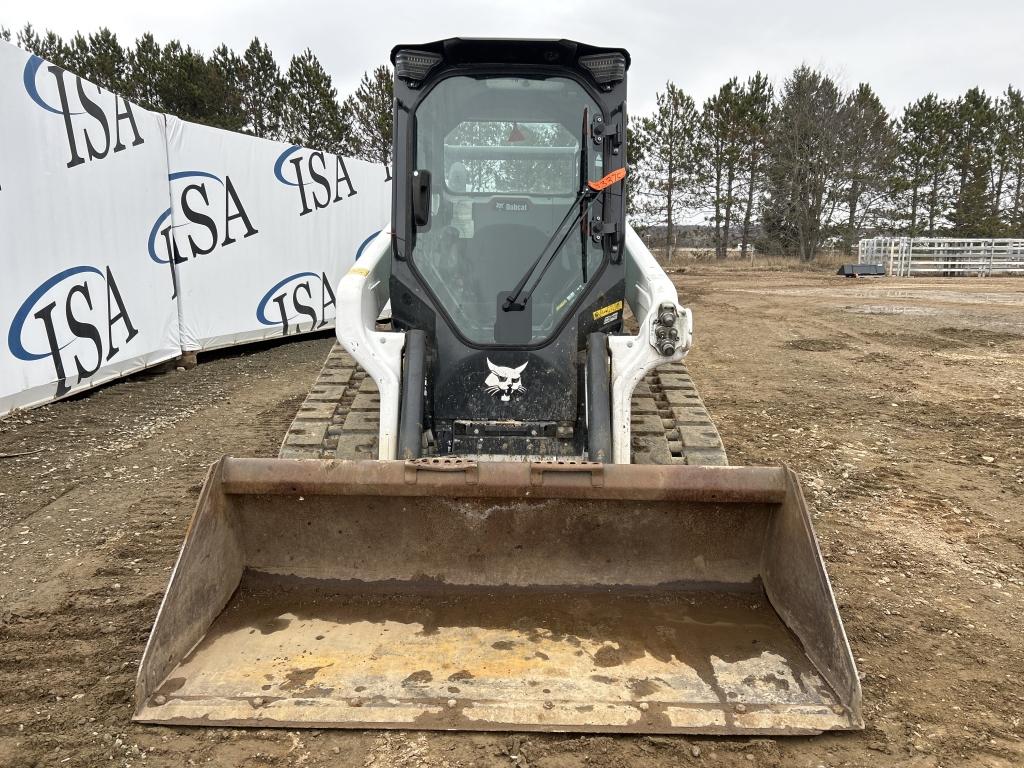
(901, 404)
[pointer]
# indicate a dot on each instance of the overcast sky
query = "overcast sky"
(903, 48)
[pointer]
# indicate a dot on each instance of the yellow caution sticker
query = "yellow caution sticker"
(363, 271)
(598, 314)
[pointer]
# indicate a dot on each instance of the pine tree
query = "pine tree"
(910, 172)
(104, 61)
(54, 49)
(28, 39)
(722, 123)
(973, 150)
(312, 115)
(227, 79)
(145, 68)
(76, 56)
(667, 179)
(188, 86)
(369, 113)
(1012, 127)
(50, 46)
(1006, 156)
(758, 99)
(263, 91)
(866, 152)
(924, 151)
(5, 34)
(803, 165)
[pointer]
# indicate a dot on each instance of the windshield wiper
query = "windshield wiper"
(517, 299)
(513, 303)
(583, 203)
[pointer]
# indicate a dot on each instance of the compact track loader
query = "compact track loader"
(505, 508)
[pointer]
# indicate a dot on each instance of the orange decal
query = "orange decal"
(612, 178)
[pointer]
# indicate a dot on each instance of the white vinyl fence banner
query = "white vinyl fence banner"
(128, 236)
(81, 171)
(260, 233)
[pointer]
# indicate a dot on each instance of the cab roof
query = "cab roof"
(496, 50)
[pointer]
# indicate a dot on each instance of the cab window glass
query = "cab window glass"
(504, 158)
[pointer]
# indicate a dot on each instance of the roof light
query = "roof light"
(605, 68)
(413, 66)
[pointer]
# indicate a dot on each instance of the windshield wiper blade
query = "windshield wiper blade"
(512, 302)
(516, 300)
(584, 178)
(511, 305)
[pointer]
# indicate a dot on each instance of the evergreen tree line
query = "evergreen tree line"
(813, 165)
(791, 170)
(245, 92)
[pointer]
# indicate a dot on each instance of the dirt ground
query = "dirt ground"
(901, 404)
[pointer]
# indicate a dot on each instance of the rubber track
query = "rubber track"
(338, 419)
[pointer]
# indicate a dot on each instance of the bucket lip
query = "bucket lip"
(789, 721)
(513, 479)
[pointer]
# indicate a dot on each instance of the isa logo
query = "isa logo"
(97, 123)
(319, 182)
(301, 298)
(76, 320)
(212, 216)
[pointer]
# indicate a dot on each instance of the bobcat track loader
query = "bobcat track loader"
(497, 562)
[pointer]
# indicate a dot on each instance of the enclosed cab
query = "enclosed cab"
(504, 254)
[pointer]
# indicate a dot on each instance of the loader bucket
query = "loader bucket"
(449, 594)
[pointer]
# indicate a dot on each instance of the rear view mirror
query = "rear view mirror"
(420, 197)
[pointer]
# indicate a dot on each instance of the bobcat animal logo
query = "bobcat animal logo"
(504, 381)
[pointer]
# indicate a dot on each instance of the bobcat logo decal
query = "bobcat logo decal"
(504, 381)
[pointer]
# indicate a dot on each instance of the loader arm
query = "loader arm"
(650, 294)
(362, 295)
